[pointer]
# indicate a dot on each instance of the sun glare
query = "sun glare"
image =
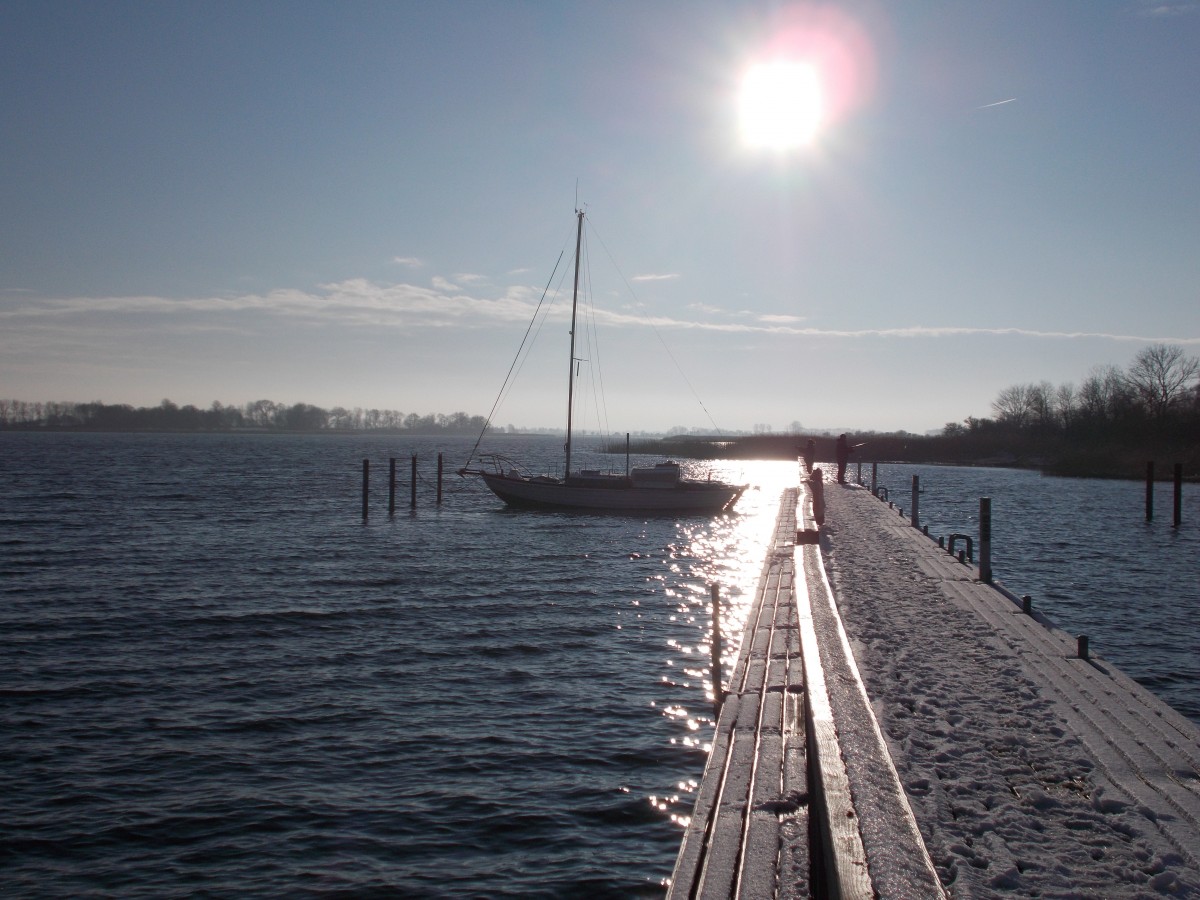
(780, 106)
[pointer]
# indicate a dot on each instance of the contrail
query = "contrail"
(997, 103)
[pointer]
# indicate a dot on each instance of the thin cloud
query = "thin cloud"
(922, 331)
(410, 262)
(665, 277)
(1167, 10)
(362, 303)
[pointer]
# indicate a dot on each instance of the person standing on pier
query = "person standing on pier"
(843, 456)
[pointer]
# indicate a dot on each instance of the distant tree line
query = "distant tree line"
(1157, 394)
(259, 415)
(1115, 420)
(1111, 425)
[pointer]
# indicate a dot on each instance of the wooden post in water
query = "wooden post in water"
(1027, 605)
(874, 476)
(439, 486)
(366, 486)
(392, 486)
(985, 540)
(860, 471)
(1178, 494)
(716, 650)
(1082, 646)
(1149, 490)
(413, 490)
(916, 493)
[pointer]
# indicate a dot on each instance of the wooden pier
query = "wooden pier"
(774, 815)
(800, 797)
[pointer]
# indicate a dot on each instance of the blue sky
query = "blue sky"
(359, 204)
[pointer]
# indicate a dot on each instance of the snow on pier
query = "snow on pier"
(925, 736)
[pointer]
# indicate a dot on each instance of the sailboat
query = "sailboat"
(660, 488)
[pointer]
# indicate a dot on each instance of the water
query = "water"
(217, 680)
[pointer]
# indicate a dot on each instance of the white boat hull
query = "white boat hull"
(686, 496)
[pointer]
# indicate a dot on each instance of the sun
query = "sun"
(781, 105)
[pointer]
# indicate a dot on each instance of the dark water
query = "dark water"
(217, 681)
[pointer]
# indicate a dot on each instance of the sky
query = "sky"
(361, 203)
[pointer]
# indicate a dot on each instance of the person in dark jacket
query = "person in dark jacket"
(843, 456)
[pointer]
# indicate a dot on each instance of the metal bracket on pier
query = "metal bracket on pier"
(970, 546)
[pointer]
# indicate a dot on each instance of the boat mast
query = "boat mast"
(571, 371)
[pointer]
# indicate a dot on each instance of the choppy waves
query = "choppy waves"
(220, 681)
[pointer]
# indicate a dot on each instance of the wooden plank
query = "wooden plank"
(759, 873)
(845, 859)
(844, 742)
(736, 836)
(725, 843)
(689, 862)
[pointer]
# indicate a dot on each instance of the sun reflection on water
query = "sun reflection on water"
(728, 551)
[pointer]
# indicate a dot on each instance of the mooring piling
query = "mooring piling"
(392, 486)
(1177, 477)
(715, 589)
(985, 540)
(393, 483)
(1178, 494)
(366, 487)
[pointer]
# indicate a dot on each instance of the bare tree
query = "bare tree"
(1014, 405)
(1065, 403)
(1161, 376)
(1103, 394)
(1041, 404)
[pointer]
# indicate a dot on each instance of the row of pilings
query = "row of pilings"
(366, 485)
